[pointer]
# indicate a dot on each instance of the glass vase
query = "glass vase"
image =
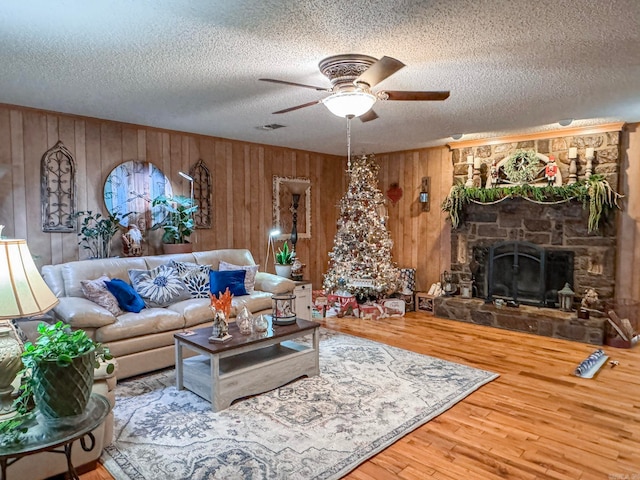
(261, 324)
(245, 321)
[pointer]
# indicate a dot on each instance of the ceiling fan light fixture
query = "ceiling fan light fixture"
(346, 104)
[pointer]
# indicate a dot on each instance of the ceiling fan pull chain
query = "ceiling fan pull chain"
(349, 117)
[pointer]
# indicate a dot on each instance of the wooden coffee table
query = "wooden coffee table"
(246, 364)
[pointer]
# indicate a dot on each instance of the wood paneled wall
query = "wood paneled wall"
(242, 188)
(422, 240)
(628, 258)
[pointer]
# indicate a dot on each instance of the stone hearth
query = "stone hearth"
(547, 322)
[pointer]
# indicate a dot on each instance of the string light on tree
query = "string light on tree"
(360, 262)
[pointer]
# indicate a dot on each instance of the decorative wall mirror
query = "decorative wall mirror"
(131, 187)
(283, 210)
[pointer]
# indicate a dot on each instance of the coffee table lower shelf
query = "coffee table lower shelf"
(223, 380)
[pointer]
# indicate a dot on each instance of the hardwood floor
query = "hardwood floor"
(536, 421)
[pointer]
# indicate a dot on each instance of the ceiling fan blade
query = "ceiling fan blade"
(405, 95)
(315, 102)
(319, 89)
(383, 68)
(368, 116)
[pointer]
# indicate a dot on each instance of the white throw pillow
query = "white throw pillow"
(249, 277)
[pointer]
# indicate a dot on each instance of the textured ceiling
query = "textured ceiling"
(192, 65)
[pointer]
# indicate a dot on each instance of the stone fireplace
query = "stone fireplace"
(560, 234)
(521, 272)
(524, 251)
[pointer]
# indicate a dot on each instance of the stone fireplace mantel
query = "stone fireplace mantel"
(554, 227)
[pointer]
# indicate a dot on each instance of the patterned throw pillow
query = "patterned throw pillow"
(407, 280)
(195, 277)
(97, 292)
(250, 276)
(159, 287)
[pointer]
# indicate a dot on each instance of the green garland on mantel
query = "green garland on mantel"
(596, 192)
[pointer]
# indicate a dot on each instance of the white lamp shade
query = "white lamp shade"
(297, 187)
(344, 104)
(23, 292)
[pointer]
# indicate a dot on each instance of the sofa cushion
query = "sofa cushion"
(128, 298)
(147, 321)
(237, 256)
(74, 272)
(160, 286)
(80, 312)
(268, 282)
(250, 276)
(142, 343)
(154, 261)
(256, 302)
(232, 279)
(195, 311)
(97, 292)
(195, 277)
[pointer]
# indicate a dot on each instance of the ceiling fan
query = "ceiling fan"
(352, 76)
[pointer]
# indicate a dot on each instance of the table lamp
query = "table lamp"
(23, 293)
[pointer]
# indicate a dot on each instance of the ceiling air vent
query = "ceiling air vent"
(271, 126)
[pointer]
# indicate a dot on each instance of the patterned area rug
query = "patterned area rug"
(367, 396)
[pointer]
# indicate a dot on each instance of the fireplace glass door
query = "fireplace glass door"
(516, 272)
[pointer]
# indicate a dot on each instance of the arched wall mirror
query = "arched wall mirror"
(131, 187)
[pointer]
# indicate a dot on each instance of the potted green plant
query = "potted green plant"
(176, 221)
(58, 370)
(284, 261)
(97, 231)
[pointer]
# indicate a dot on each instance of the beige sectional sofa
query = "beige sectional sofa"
(143, 342)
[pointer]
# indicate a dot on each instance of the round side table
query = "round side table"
(57, 435)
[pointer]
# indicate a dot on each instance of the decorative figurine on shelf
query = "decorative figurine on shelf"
(448, 285)
(220, 329)
(590, 301)
(132, 241)
(221, 308)
(551, 170)
(493, 172)
(297, 269)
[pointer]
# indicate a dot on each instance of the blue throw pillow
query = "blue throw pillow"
(234, 279)
(127, 297)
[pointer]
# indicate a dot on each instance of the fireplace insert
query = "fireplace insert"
(522, 272)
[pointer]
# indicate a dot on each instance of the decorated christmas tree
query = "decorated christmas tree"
(360, 262)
